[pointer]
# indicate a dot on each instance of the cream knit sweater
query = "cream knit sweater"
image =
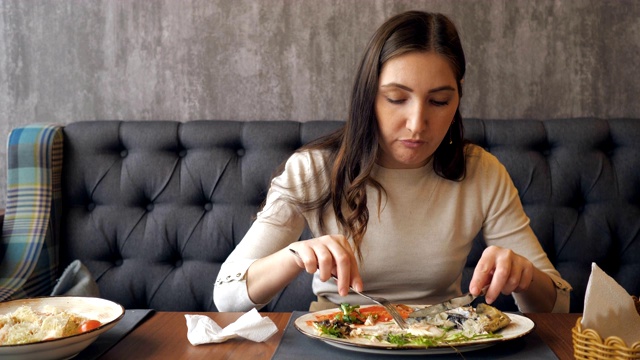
(416, 243)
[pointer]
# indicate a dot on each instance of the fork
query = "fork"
(391, 309)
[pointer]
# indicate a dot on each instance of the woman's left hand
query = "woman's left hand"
(503, 271)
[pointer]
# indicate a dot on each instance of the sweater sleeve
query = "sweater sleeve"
(506, 225)
(279, 224)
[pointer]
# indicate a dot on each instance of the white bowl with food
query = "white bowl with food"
(56, 327)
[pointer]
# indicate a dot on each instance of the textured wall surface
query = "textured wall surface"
(69, 60)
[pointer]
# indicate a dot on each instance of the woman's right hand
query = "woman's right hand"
(329, 255)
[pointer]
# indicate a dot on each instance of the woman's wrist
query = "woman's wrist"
(269, 275)
(540, 296)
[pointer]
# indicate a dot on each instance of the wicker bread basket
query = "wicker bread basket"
(587, 344)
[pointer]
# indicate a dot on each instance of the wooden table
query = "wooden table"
(163, 336)
(555, 331)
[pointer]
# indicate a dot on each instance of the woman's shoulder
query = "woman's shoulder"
(481, 161)
(309, 160)
(303, 168)
(305, 176)
(477, 154)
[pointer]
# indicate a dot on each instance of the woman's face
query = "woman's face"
(415, 105)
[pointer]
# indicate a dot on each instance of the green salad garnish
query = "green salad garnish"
(350, 319)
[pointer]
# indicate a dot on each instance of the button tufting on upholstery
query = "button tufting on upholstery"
(150, 207)
(608, 147)
(579, 203)
(544, 148)
(575, 176)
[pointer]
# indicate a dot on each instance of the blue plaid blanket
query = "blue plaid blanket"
(29, 246)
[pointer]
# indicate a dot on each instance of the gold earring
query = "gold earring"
(450, 139)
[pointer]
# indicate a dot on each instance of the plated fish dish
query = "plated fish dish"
(374, 326)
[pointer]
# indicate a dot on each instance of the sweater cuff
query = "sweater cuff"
(563, 289)
(230, 291)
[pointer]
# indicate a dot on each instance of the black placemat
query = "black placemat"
(295, 345)
(109, 338)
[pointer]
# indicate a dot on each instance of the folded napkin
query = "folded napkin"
(76, 280)
(203, 330)
(609, 309)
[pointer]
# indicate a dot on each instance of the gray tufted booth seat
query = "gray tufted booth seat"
(153, 208)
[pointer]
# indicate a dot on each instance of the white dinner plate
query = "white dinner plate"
(519, 326)
(105, 311)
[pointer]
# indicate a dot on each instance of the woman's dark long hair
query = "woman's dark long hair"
(354, 148)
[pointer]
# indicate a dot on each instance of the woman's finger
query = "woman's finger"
(482, 274)
(525, 279)
(344, 264)
(514, 276)
(501, 274)
(325, 260)
(330, 255)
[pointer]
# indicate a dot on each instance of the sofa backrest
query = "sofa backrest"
(153, 208)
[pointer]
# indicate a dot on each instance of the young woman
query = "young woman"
(395, 197)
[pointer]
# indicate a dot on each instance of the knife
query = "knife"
(452, 303)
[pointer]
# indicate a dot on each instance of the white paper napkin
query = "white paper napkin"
(609, 309)
(203, 330)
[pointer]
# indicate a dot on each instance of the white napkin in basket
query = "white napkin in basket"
(203, 330)
(609, 309)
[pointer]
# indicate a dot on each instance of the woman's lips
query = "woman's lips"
(412, 143)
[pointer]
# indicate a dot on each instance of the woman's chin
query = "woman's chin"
(404, 164)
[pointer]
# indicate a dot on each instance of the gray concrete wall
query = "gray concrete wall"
(68, 60)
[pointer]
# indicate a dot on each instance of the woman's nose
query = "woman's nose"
(417, 119)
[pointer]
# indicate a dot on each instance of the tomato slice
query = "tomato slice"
(89, 325)
(382, 314)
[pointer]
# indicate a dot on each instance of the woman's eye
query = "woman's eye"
(395, 101)
(439, 103)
